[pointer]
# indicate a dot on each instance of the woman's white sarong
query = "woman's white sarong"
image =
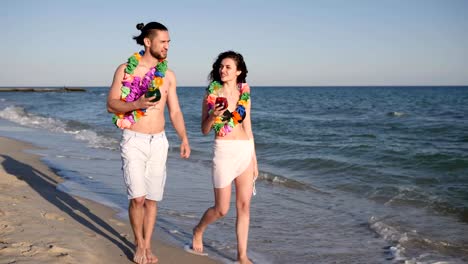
(230, 159)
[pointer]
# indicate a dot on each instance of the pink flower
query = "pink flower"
(245, 88)
(127, 84)
(211, 99)
(222, 132)
(130, 118)
(123, 123)
(227, 129)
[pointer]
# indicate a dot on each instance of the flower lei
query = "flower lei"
(132, 88)
(224, 124)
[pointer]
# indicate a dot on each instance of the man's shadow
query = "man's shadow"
(45, 186)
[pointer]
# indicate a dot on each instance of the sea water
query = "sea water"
(347, 174)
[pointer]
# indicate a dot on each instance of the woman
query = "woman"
(234, 152)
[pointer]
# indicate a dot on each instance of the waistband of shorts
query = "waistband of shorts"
(144, 135)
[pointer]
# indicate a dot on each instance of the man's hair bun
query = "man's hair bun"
(140, 26)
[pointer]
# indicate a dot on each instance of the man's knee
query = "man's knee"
(150, 203)
(138, 201)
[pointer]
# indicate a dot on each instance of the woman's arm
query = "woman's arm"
(247, 123)
(209, 118)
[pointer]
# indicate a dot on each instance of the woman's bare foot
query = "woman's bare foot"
(150, 256)
(244, 260)
(140, 256)
(197, 240)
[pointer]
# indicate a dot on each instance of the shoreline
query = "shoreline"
(40, 224)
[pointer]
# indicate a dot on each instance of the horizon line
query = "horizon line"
(261, 86)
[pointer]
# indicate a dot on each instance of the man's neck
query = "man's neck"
(148, 60)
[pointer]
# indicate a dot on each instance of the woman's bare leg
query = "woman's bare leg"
(219, 210)
(244, 188)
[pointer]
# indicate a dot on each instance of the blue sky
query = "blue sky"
(295, 42)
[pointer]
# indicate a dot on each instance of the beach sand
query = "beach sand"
(39, 224)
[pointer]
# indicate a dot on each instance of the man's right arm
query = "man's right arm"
(115, 105)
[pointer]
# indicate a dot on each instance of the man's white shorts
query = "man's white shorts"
(144, 164)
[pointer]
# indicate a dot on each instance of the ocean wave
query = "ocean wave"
(80, 130)
(411, 246)
(441, 161)
(424, 197)
(20, 116)
(314, 163)
(396, 114)
(285, 182)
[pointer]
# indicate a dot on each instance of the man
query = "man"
(144, 145)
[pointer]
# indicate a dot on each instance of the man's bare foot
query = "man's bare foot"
(244, 260)
(140, 256)
(150, 256)
(197, 240)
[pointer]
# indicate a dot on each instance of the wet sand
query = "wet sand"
(39, 224)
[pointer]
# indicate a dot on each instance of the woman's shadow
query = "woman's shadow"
(45, 186)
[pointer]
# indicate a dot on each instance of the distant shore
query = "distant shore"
(27, 89)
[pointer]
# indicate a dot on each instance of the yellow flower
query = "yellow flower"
(243, 102)
(158, 81)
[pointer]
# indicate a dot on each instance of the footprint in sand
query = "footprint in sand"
(53, 216)
(6, 227)
(19, 249)
(58, 251)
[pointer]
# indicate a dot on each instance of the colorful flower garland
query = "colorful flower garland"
(132, 88)
(224, 124)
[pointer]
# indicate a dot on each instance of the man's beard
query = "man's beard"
(157, 55)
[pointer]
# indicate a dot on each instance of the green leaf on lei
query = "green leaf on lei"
(135, 116)
(162, 66)
(131, 65)
(245, 96)
(214, 86)
(114, 119)
(217, 126)
(125, 91)
(231, 123)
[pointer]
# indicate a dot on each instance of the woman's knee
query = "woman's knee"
(243, 206)
(221, 211)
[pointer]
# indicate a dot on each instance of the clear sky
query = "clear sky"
(294, 42)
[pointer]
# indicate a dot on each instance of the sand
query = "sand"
(39, 224)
